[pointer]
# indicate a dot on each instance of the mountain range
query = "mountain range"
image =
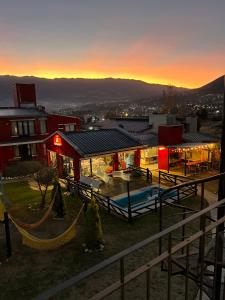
(82, 91)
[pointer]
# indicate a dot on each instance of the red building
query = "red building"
(25, 127)
(202, 153)
(88, 153)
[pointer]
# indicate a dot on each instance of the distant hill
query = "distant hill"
(214, 87)
(81, 91)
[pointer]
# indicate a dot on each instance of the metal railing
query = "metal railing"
(191, 257)
(132, 211)
(173, 179)
(142, 172)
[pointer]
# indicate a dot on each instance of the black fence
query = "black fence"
(141, 172)
(172, 179)
(131, 211)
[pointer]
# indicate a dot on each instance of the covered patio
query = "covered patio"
(93, 157)
(189, 158)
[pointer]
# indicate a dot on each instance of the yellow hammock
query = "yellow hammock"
(33, 225)
(49, 244)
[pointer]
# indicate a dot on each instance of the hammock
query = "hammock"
(33, 225)
(38, 223)
(49, 244)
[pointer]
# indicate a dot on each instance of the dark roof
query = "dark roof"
(6, 112)
(101, 141)
(128, 125)
(197, 137)
(149, 139)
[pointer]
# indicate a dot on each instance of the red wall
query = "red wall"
(7, 155)
(5, 129)
(55, 120)
(67, 150)
(170, 135)
(163, 158)
(25, 93)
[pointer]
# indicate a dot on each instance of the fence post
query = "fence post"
(196, 189)
(129, 204)
(175, 180)
(159, 176)
(178, 195)
(7, 235)
(148, 175)
(108, 204)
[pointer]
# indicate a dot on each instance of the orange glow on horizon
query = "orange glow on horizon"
(92, 75)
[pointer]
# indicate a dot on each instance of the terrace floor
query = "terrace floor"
(118, 186)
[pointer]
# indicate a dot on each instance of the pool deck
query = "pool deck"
(118, 186)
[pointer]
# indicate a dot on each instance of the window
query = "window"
(43, 127)
(31, 127)
(69, 127)
(23, 128)
(25, 152)
(14, 129)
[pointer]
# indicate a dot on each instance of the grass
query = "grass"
(28, 272)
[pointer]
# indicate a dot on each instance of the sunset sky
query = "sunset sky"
(180, 42)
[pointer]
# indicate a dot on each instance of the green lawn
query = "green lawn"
(28, 271)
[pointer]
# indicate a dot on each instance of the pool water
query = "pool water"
(142, 196)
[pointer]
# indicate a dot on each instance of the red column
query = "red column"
(163, 154)
(59, 164)
(76, 168)
(115, 162)
(137, 157)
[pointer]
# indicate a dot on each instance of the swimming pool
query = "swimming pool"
(139, 197)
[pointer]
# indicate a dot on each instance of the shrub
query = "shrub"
(93, 226)
(58, 206)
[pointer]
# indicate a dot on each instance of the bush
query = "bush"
(58, 206)
(93, 227)
(22, 168)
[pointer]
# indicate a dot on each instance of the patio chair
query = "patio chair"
(101, 174)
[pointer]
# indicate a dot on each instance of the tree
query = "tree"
(44, 177)
(58, 206)
(93, 226)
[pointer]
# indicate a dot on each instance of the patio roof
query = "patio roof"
(189, 145)
(197, 137)
(103, 141)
